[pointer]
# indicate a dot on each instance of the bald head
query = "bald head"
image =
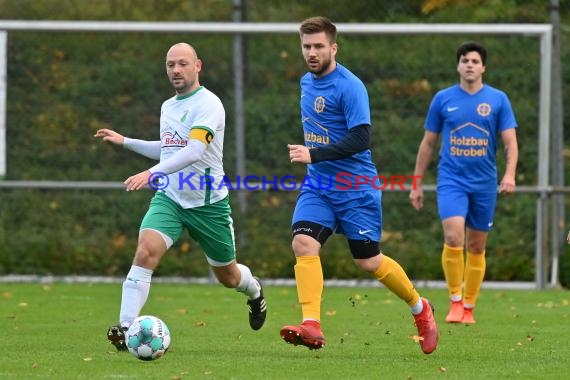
(182, 68)
(182, 48)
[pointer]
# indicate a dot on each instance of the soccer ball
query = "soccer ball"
(148, 338)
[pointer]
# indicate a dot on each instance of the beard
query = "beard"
(325, 65)
(181, 85)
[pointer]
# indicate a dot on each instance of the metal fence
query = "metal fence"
(544, 262)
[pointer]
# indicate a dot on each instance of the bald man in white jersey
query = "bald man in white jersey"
(190, 196)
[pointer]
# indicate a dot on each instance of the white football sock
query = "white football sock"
(247, 284)
(135, 293)
(418, 307)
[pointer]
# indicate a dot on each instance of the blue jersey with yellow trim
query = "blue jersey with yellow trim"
(469, 125)
(330, 106)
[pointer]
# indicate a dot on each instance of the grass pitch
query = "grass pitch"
(58, 331)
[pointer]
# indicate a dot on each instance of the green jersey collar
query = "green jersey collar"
(180, 97)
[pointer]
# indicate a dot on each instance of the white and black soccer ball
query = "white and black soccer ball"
(148, 338)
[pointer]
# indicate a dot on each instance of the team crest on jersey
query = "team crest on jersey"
(183, 118)
(484, 109)
(319, 104)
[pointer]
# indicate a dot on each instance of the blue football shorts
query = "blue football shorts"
(477, 208)
(355, 214)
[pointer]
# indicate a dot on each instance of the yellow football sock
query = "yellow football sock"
(392, 275)
(453, 263)
(474, 274)
(310, 282)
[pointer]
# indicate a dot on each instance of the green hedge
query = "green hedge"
(95, 233)
(62, 87)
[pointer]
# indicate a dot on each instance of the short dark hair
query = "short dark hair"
(470, 46)
(319, 24)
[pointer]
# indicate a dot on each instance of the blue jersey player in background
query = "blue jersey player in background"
(470, 117)
(343, 194)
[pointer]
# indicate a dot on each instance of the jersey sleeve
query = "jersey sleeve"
(207, 121)
(355, 103)
(434, 121)
(507, 118)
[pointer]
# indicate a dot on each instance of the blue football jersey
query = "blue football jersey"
(470, 125)
(330, 106)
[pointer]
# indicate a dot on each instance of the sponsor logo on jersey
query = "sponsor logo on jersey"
(469, 140)
(170, 139)
(313, 138)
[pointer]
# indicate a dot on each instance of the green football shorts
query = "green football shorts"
(210, 225)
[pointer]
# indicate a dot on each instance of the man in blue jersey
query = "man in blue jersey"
(335, 114)
(470, 117)
(192, 127)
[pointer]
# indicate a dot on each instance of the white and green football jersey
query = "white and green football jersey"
(202, 111)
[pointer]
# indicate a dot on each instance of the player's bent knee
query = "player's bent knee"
(144, 258)
(303, 245)
(369, 265)
(453, 241)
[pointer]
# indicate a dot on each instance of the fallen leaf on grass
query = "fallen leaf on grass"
(417, 338)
